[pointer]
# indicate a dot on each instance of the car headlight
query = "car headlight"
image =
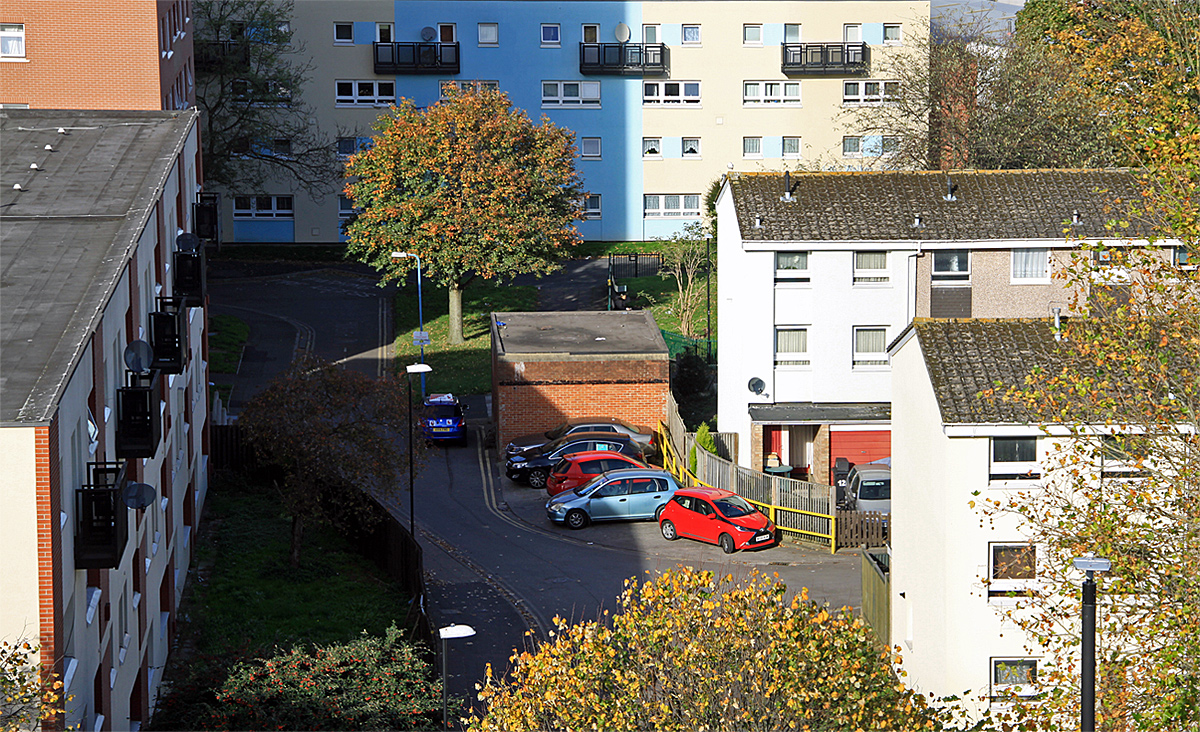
(556, 507)
(739, 527)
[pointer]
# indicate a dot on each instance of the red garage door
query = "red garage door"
(860, 447)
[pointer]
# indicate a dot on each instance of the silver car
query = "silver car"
(871, 487)
(618, 495)
(643, 435)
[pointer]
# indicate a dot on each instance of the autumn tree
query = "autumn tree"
(249, 78)
(689, 650)
(684, 259)
(337, 436)
(471, 185)
(29, 695)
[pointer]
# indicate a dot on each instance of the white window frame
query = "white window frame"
(663, 211)
(557, 42)
(898, 40)
(883, 145)
(346, 207)
(852, 153)
(1184, 259)
(798, 153)
(338, 144)
(947, 276)
(255, 211)
(357, 99)
(1001, 586)
(651, 29)
(747, 28)
(495, 34)
(792, 267)
(861, 96)
(583, 32)
(868, 360)
(337, 24)
(852, 33)
(584, 100)
(591, 212)
(683, 149)
(1004, 471)
(791, 359)
(583, 148)
(656, 144)
(683, 32)
(799, 32)
(476, 85)
(864, 277)
(380, 29)
(660, 98)
(1000, 689)
(759, 94)
(752, 148)
(1041, 279)
(443, 27)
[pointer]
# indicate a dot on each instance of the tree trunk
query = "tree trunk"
(297, 537)
(456, 314)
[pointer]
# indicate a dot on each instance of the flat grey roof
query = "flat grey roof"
(820, 412)
(580, 334)
(66, 238)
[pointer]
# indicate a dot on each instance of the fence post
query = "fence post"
(833, 520)
(774, 497)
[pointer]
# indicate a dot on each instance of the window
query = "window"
(671, 205)
(489, 34)
(281, 147)
(752, 34)
(870, 347)
(347, 146)
(791, 32)
(770, 92)
(365, 93)
(791, 346)
(262, 207)
(691, 35)
(952, 265)
(473, 85)
(1031, 266)
(852, 147)
(649, 34)
(570, 93)
(791, 266)
(591, 33)
(1185, 258)
(889, 145)
(589, 148)
(852, 33)
(343, 33)
(267, 93)
(1014, 458)
(550, 35)
(751, 147)
(671, 92)
(591, 206)
(691, 147)
(1014, 676)
(870, 268)
(871, 91)
(891, 33)
(383, 33)
(651, 147)
(1011, 567)
(447, 33)
(791, 148)
(346, 208)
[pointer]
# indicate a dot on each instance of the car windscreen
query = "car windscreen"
(878, 489)
(587, 487)
(557, 432)
(734, 506)
(443, 411)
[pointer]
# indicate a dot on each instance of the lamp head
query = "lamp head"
(418, 368)
(1089, 563)
(456, 631)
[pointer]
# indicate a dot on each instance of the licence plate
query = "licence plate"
(443, 429)
(760, 538)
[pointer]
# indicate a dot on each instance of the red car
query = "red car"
(576, 469)
(718, 517)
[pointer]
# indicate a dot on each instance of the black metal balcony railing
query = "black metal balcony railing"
(211, 55)
(169, 334)
(825, 58)
(139, 421)
(622, 58)
(416, 58)
(101, 521)
(191, 280)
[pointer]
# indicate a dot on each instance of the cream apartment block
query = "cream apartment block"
(663, 97)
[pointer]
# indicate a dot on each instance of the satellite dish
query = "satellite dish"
(186, 242)
(756, 385)
(428, 33)
(138, 495)
(138, 356)
(621, 32)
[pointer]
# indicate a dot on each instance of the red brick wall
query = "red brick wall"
(48, 493)
(532, 396)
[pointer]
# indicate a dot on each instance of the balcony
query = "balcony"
(622, 58)
(825, 58)
(101, 522)
(214, 55)
(416, 58)
(169, 334)
(191, 281)
(139, 421)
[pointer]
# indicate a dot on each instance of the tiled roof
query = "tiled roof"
(882, 206)
(966, 356)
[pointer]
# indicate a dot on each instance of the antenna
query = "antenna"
(756, 385)
(138, 356)
(186, 242)
(621, 33)
(428, 33)
(138, 495)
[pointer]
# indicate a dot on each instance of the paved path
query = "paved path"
(581, 284)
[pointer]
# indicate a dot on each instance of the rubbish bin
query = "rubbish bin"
(841, 473)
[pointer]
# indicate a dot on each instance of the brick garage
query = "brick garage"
(551, 367)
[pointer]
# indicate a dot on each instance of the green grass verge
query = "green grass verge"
(659, 295)
(227, 336)
(465, 369)
(605, 248)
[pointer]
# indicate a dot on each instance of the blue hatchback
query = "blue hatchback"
(443, 420)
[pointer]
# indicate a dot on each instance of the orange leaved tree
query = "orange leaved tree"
(471, 185)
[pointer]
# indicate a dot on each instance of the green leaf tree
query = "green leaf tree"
(684, 259)
(472, 186)
(29, 694)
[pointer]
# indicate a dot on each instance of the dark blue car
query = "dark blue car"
(443, 419)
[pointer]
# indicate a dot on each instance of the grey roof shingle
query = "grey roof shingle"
(881, 206)
(967, 356)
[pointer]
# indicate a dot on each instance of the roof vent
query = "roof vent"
(17, 187)
(917, 222)
(62, 131)
(34, 166)
(950, 189)
(787, 188)
(48, 148)
(1075, 217)
(758, 222)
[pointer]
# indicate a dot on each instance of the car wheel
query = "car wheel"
(727, 545)
(668, 530)
(658, 512)
(576, 519)
(537, 478)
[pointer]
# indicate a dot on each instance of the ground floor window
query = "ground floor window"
(262, 207)
(671, 205)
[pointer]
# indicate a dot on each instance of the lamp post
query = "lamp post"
(422, 337)
(446, 633)
(1087, 673)
(422, 369)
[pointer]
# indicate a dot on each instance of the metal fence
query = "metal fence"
(677, 343)
(625, 266)
(877, 595)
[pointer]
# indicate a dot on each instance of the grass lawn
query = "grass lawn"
(658, 295)
(605, 248)
(280, 252)
(465, 369)
(227, 336)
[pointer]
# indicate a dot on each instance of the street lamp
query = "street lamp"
(422, 369)
(420, 338)
(1090, 564)
(450, 631)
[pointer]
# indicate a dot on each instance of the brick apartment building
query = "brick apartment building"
(101, 54)
(548, 367)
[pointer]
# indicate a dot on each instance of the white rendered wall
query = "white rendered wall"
(19, 539)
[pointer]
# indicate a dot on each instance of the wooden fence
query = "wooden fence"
(863, 528)
(877, 594)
